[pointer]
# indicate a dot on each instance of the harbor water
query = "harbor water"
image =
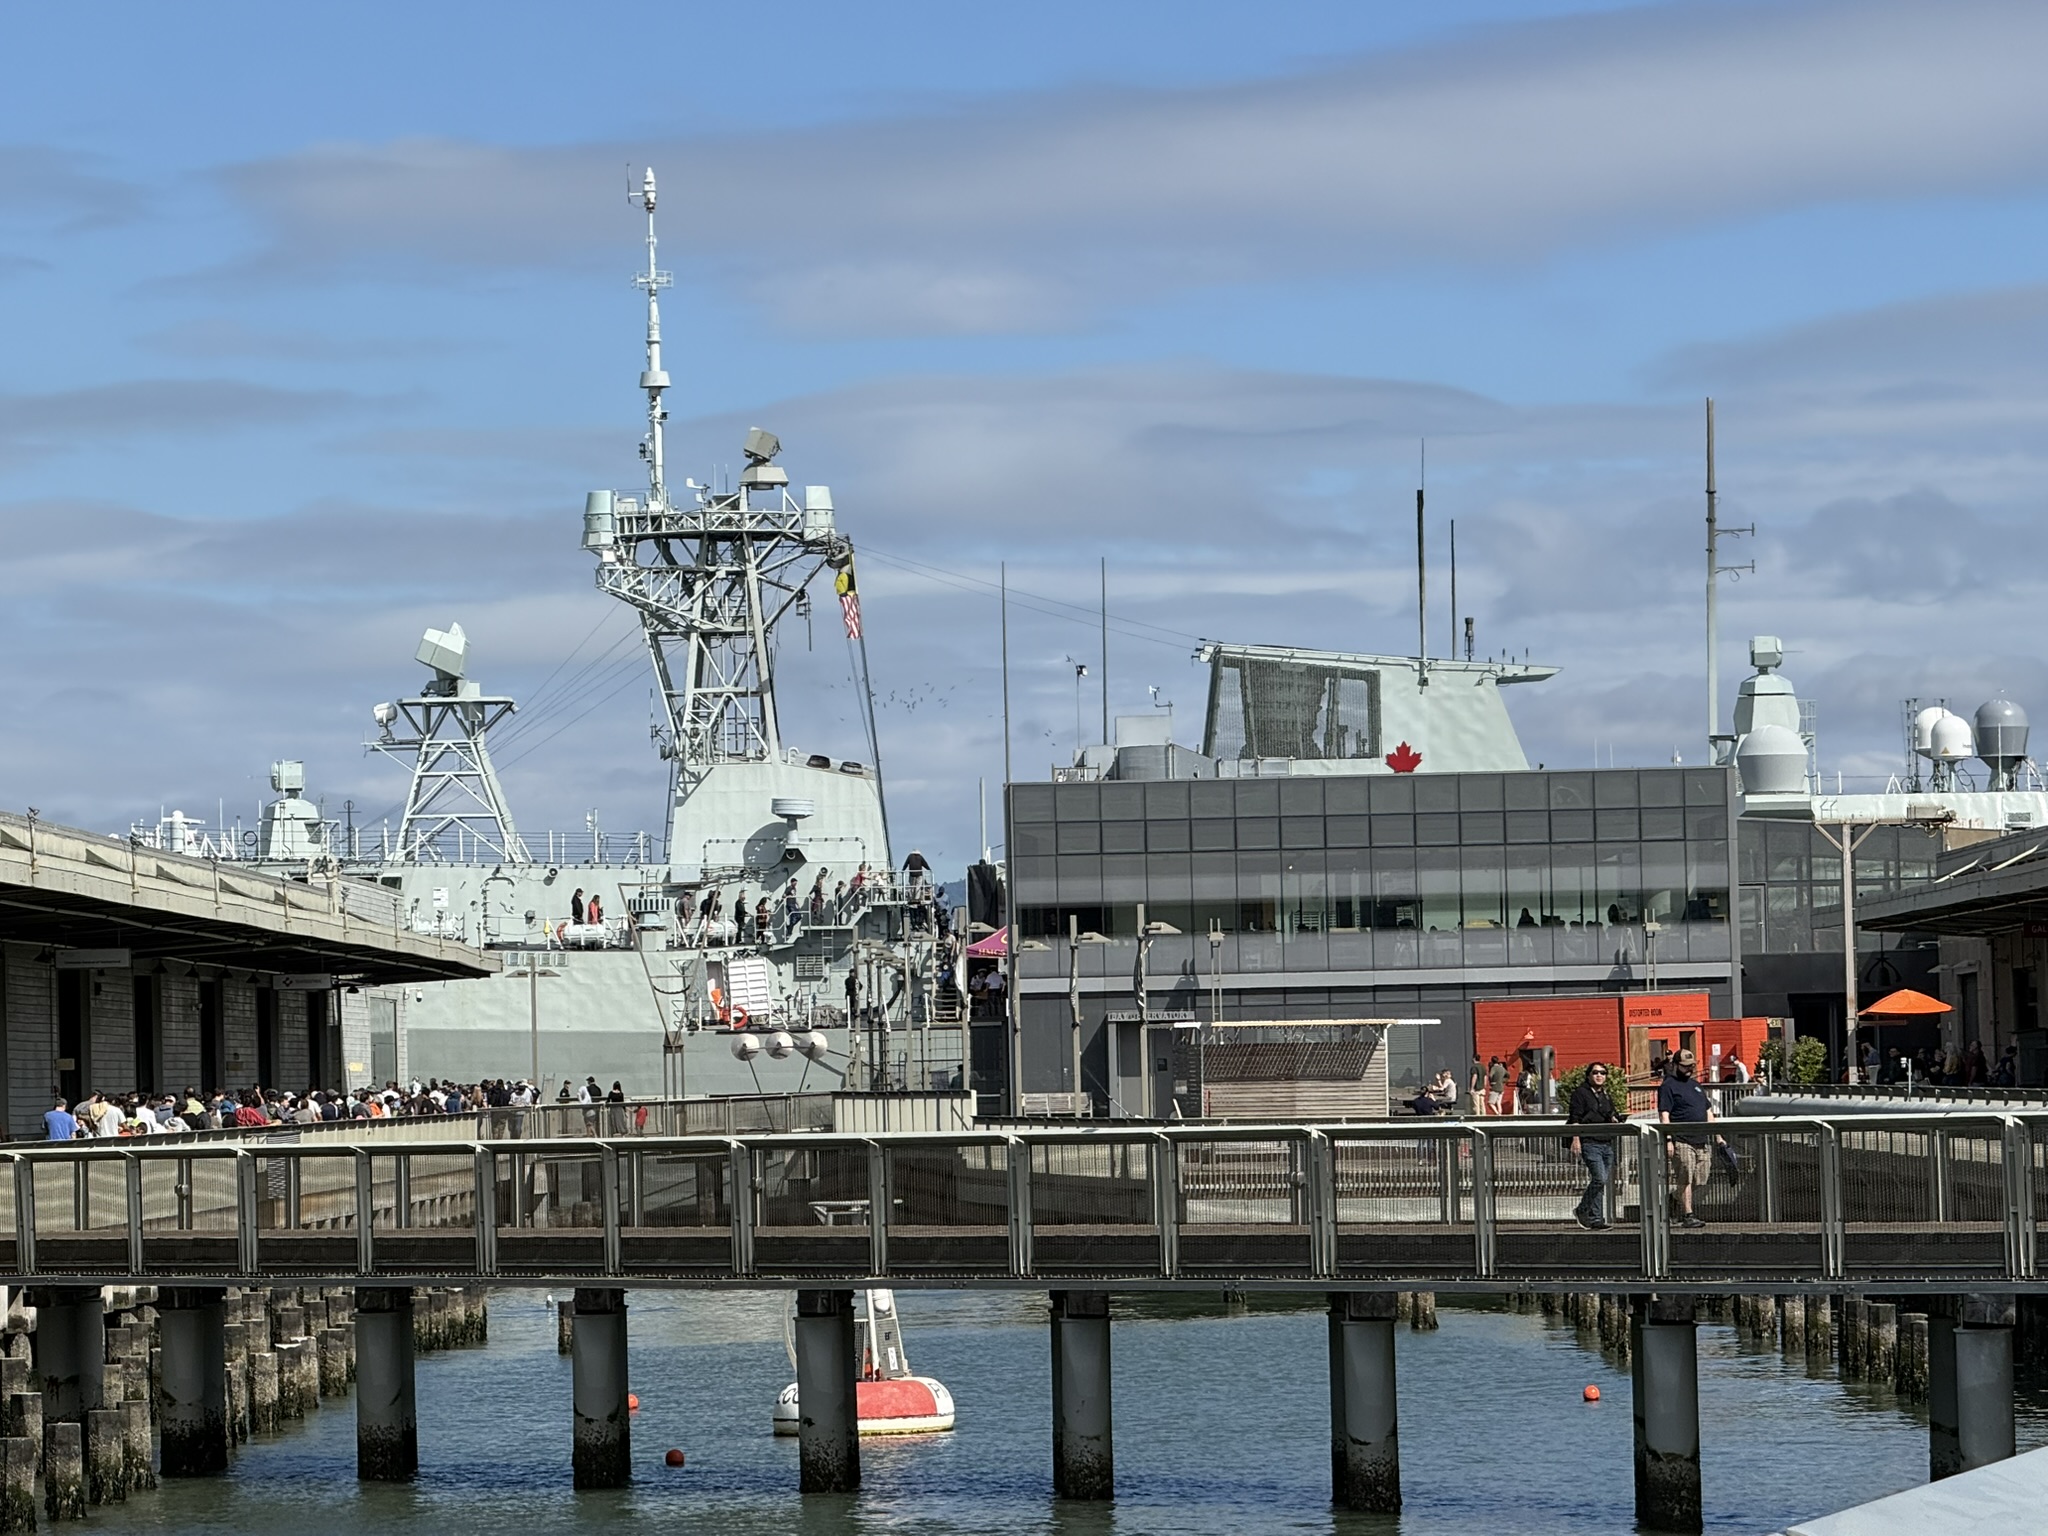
(1222, 1426)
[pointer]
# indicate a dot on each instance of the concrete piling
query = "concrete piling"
(17, 1484)
(828, 1440)
(1819, 1327)
(71, 1350)
(1792, 1325)
(387, 1421)
(1422, 1318)
(1365, 1452)
(1665, 1376)
(64, 1470)
(106, 1456)
(565, 1326)
(333, 1366)
(1852, 1341)
(138, 1446)
(193, 1392)
(1913, 1356)
(1881, 1342)
(1979, 1383)
(24, 1421)
(235, 1348)
(602, 1451)
(1083, 1457)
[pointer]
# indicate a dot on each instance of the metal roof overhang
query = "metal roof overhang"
(66, 889)
(1973, 905)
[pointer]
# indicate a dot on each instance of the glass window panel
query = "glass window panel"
(1123, 877)
(1210, 797)
(1031, 837)
(1574, 826)
(1788, 923)
(1528, 826)
(1348, 831)
(1665, 892)
(1436, 873)
(1301, 797)
(1396, 897)
(1123, 837)
(1436, 792)
(1706, 825)
(1258, 797)
(1616, 826)
(1614, 786)
(1345, 795)
(1663, 825)
(1916, 854)
(1393, 831)
(1169, 877)
(1304, 894)
(1706, 786)
(1571, 791)
(1749, 843)
(1395, 792)
(1080, 837)
(1122, 800)
(1618, 892)
(1211, 835)
(1528, 886)
(1258, 832)
(1077, 802)
(1437, 829)
(1483, 886)
(1481, 827)
(1479, 792)
(1661, 786)
(1752, 919)
(1785, 851)
(1215, 876)
(1167, 801)
(1258, 892)
(1080, 879)
(1527, 791)
(1167, 836)
(1034, 879)
(1301, 831)
(1572, 887)
(1031, 802)
(1350, 895)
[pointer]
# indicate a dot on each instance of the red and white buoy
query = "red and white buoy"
(890, 1399)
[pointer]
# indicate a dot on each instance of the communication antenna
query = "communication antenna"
(1454, 589)
(1421, 578)
(1715, 570)
(654, 380)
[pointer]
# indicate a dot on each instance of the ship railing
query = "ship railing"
(1880, 1200)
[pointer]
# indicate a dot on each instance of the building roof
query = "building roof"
(1998, 885)
(72, 890)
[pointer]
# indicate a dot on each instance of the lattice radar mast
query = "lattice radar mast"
(710, 573)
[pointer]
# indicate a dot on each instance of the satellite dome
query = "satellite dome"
(1951, 740)
(1772, 761)
(2001, 731)
(1923, 729)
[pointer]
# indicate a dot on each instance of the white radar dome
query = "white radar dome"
(1952, 739)
(1771, 761)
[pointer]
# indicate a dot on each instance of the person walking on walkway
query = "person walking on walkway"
(1681, 1101)
(1591, 1107)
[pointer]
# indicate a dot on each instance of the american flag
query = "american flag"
(849, 602)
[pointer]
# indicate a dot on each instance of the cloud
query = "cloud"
(1032, 212)
(43, 187)
(32, 425)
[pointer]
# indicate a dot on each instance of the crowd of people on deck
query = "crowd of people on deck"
(103, 1115)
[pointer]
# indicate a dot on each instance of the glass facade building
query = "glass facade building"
(1360, 896)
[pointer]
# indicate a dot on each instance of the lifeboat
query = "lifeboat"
(891, 1401)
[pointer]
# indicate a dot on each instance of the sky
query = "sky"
(315, 327)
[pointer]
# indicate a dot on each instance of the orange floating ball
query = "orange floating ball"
(1592, 1394)
(674, 1458)
(632, 1402)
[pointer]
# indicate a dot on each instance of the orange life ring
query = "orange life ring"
(739, 1017)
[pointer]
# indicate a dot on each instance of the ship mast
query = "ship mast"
(654, 380)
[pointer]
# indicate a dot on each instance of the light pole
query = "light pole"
(1147, 932)
(1080, 671)
(534, 972)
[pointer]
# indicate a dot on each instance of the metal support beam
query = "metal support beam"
(603, 1443)
(387, 1421)
(828, 1402)
(1083, 1456)
(1665, 1371)
(1365, 1447)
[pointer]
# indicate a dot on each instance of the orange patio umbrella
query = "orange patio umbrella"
(1904, 1004)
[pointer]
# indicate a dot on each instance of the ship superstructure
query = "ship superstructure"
(765, 935)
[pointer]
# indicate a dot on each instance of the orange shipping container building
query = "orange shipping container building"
(1583, 1029)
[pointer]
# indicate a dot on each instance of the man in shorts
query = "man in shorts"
(1681, 1101)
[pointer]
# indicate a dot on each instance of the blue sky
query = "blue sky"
(318, 326)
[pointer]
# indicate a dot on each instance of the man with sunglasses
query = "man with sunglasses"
(1590, 1106)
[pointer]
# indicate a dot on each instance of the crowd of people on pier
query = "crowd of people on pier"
(104, 1115)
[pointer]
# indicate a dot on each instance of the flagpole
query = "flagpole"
(857, 631)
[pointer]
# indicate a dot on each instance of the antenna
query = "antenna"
(1716, 570)
(1105, 650)
(654, 380)
(1454, 589)
(1421, 579)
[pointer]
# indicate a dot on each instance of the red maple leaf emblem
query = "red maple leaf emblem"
(1404, 759)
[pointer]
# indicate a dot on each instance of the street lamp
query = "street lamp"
(1147, 932)
(1075, 939)
(1080, 671)
(534, 972)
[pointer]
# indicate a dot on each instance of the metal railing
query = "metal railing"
(1943, 1201)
